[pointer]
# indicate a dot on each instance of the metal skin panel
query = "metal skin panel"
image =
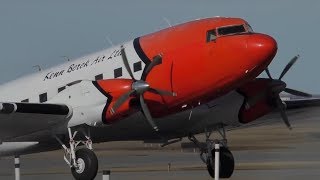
(86, 101)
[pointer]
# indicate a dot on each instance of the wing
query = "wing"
(298, 108)
(18, 119)
(296, 102)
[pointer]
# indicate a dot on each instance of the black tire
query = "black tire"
(226, 163)
(90, 162)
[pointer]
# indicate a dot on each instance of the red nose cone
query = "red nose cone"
(262, 48)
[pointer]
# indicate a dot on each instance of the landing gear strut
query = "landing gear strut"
(216, 155)
(83, 162)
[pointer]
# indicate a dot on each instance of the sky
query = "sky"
(41, 32)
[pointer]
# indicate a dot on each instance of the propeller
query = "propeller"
(278, 86)
(284, 71)
(282, 108)
(139, 87)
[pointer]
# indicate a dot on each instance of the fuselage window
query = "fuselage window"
(98, 77)
(74, 82)
(137, 66)
(117, 72)
(211, 35)
(43, 97)
(230, 30)
(61, 88)
(25, 100)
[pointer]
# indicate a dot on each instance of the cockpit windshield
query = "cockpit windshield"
(213, 34)
(230, 30)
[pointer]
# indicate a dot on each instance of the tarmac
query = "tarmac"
(260, 152)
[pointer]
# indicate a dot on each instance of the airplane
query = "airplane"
(197, 77)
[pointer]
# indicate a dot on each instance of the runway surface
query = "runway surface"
(263, 152)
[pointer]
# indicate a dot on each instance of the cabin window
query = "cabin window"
(230, 30)
(61, 88)
(43, 97)
(117, 72)
(137, 66)
(25, 100)
(98, 77)
(74, 82)
(211, 35)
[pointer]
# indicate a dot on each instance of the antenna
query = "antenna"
(66, 57)
(37, 66)
(167, 21)
(109, 40)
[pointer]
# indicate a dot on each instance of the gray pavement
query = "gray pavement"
(262, 152)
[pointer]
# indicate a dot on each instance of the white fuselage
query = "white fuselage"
(48, 81)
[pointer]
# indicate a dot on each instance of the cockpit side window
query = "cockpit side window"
(211, 35)
(230, 30)
(249, 28)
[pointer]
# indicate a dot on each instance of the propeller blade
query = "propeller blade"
(268, 73)
(156, 61)
(297, 93)
(122, 99)
(285, 119)
(126, 62)
(282, 109)
(147, 113)
(162, 92)
(288, 66)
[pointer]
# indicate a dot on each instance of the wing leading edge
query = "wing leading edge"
(19, 119)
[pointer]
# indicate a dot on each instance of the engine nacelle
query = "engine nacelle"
(258, 100)
(113, 89)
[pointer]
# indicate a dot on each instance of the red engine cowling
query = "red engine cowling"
(113, 89)
(257, 91)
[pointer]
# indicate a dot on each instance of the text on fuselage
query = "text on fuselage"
(83, 65)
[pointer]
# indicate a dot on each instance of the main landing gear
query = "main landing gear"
(82, 161)
(216, 155)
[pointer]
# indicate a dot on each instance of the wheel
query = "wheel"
(226, 163)
(88, 165)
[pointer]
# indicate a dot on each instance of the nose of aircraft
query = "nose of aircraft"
(261, 47)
